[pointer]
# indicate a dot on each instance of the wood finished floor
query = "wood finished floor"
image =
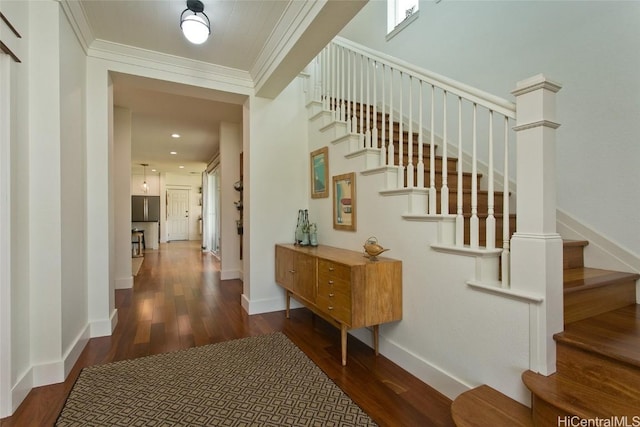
(178, 301)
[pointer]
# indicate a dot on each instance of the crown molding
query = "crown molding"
(291, 25)
(77, 18)
(233, 79)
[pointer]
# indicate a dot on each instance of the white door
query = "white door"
(177, 214)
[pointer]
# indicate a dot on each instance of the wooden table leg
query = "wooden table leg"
(343, 342)
(376, 340)
(288, 302)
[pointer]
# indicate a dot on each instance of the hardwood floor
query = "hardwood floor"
(178, 301)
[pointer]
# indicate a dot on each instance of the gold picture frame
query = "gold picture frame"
(320, 173)
(344, 202)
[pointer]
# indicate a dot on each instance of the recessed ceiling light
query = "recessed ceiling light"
(173, 152)
(181, 167)
(175, 135)
(153, 170)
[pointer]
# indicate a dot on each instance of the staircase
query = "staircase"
(383, 120)
(598, 358)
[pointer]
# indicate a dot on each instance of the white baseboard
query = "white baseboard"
(103, 328)
(21, 389)
(48, 373)
(124, 283)
(229, 274)
(75, 350)
(415, 365)
(266, 305)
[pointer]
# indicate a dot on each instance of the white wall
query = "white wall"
(122, 197)
(230, 148)
(276, 186)
(450, 336)
(15, 349)
(73, 200)
(589, 47)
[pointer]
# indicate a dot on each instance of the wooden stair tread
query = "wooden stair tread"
(615, 334)
(577, 399)
(579, 278)
(485, 406)
(569, 242)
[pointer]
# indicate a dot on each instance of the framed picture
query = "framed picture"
(344, 202)
(320, 173)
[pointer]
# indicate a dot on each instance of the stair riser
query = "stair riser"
(452, 164)
(483, 231)
(544, 413)
(452, 180)
(573, 257)
(483, 202)
(600, 372)
(591, 302)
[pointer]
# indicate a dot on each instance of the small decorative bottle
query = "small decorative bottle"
(313, 234)
(299, 235)
(305, 229)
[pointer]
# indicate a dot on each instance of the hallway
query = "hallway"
(178, 301)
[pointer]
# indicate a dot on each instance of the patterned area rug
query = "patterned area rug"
(256, 381)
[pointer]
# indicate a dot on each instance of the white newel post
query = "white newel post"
(536, 257)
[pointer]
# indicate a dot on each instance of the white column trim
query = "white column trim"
(5, 238)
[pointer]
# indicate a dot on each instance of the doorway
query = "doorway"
(177, 214)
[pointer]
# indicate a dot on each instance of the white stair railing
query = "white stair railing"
(457, 115)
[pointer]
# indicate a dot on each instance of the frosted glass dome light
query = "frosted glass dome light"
(195, 23)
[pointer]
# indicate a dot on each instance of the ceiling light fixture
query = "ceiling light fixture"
(173, 152)
(175, 135)
(145, 187)
(195, 24)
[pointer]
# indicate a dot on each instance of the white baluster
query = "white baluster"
(491, 220)
(325, 78)
(391, 153)
(383, 146)
(334, 86)
(348, 95)
(362, 129)
(354, 110)
(401, 136)
(460, 201)
(432, 157)
(506, 232)
(374, 129)
(474, 221)
(410, 137)
(367, 134)
(444, 192)
(342, 77)
(420, 171)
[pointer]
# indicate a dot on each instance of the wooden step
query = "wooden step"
(614, 334)
(590, 291)
(573, 253)
(557, 398)
(484, 406)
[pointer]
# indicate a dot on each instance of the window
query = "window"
(399, 14)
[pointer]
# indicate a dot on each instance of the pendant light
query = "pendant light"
(194, 23)
(145, 187)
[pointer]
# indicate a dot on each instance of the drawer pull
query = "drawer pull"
(331, 282)
(331, 295)
(330, 307)
(292, 271)
(331, 268)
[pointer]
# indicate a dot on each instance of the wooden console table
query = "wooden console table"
(342, 286)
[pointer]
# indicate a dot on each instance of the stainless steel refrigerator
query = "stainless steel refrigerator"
(145, 208)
